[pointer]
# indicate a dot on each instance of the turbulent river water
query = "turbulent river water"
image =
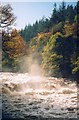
(37, 98)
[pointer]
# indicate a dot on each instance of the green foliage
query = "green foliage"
(58, 54)
(31, 31)
(70, 13)
(50, 58)
(56, 22)
(57, 28)
(75, 70)
(58, 51)
(53, 42)
(37, 44)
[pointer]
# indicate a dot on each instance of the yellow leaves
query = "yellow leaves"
(38, 43)
(54, 55)
(69, 29)
(33, 48)
(9, 44)
(46, 48)
(76, 68)
(43, 36)
(59, 34)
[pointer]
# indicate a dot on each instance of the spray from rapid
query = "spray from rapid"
(31, 65)
(31, 94)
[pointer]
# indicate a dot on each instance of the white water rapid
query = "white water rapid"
(35, 97)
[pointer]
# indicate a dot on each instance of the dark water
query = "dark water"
(38, 98)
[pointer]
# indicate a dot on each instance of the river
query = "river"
(37, 98)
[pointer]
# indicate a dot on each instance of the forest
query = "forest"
(53, 42)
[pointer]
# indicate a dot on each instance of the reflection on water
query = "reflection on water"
(25, 95)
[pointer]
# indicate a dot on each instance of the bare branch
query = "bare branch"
(7, 18)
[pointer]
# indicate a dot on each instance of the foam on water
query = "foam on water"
(24, 94)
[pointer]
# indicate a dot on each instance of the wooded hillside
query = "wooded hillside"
(53, 42)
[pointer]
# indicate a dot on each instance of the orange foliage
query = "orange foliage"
(16, 45)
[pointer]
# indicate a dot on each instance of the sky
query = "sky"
(28, 12)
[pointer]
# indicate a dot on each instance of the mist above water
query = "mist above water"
(30, 93)
(31, 65)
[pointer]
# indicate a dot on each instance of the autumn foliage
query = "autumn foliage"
(13, 46)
